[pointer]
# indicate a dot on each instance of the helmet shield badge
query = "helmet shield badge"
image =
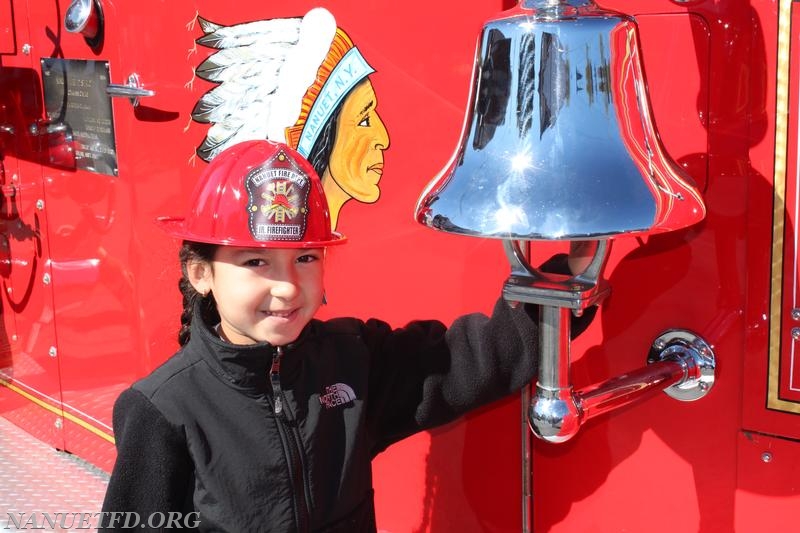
(278, 200)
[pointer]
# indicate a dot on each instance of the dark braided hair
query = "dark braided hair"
(191, 252)
(320, 154)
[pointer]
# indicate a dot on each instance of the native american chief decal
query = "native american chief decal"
(303, 82)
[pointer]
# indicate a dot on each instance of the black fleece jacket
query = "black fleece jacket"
(265, 438)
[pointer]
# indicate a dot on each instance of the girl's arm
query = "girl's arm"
(153, 470)
(426, 375)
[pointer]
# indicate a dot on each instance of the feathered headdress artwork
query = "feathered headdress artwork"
(263, 69)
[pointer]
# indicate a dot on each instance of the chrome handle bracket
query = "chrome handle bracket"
(132, 90)
(577, 292)
(695, 353)
(680, 363)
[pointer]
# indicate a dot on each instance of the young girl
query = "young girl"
(268, 419)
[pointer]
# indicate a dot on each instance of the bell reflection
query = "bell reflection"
(559, 142)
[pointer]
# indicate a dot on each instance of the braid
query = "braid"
(192, 252)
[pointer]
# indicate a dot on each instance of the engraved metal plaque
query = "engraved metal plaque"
(75, 97)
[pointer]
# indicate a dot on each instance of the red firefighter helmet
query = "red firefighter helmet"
(257, 194)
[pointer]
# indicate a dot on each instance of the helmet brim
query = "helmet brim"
(176, 227)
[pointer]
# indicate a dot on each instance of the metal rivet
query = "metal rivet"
(26, 49)
(46, 279)
(14, 337)
(9, 290)
(795, 314)
(796, 333)
(766, 457)
(39, 204)
(660, 344)
(53, 351)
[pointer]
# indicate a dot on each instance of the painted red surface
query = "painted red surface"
(110, 306)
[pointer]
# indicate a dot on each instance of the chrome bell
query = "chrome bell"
(559, 142)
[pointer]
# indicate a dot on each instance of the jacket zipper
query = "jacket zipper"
(296, 467)
(275, 380)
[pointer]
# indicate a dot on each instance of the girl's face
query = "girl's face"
(262, 294)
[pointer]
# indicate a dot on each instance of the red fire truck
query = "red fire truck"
(109, 110)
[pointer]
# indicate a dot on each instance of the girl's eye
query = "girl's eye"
(254, 262)
(364, 121)
(307, 258)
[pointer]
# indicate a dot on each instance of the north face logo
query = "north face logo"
(337, 394)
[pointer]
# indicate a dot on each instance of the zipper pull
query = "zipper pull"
(275, 380)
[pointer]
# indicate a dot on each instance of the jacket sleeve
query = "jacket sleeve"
(153, 469)
(426, 375)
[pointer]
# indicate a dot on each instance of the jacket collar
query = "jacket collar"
(244, 366)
